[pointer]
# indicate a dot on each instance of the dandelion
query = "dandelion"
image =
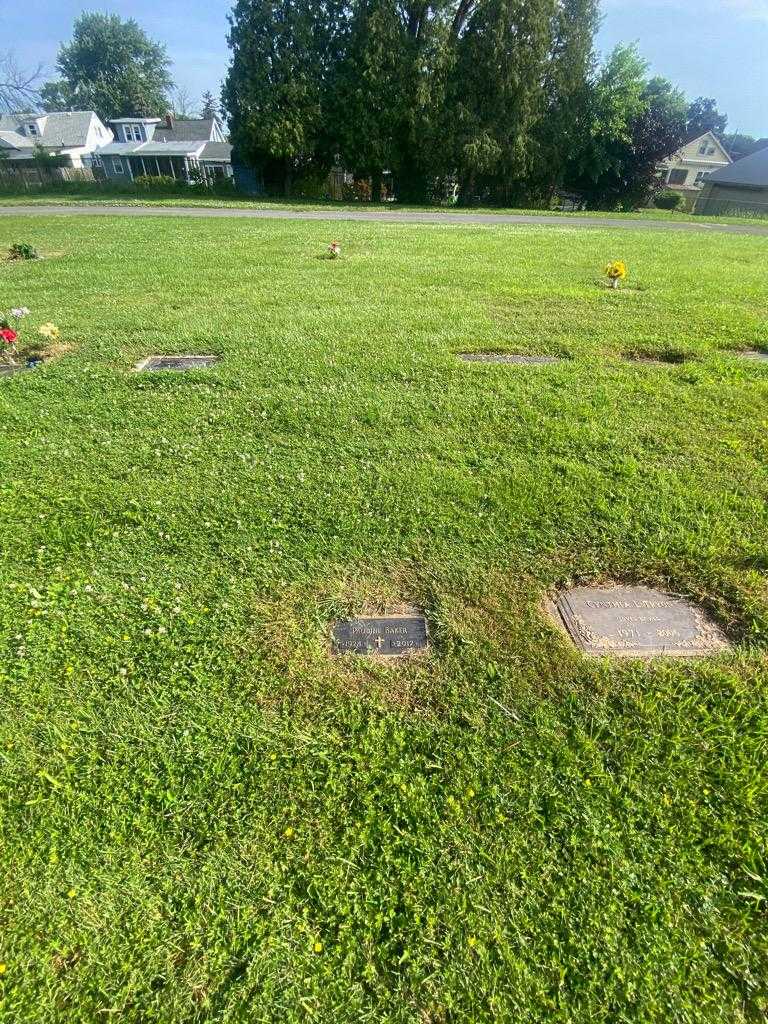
(2, 968)
(616, 271)
(318, 947)
(72, 893)
(471, 941)
(288, 832)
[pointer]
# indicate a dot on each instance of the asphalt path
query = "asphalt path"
(382, 216)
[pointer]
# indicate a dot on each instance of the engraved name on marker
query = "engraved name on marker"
(636, 622)
(381, 636)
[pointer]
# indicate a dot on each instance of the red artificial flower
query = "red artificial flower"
(8, 335)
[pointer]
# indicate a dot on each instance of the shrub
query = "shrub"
(669, 201)
(358, 192)
(311, 186)
(157, 183)
(22, 251)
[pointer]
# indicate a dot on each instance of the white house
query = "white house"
(687, 169)
(74, 134)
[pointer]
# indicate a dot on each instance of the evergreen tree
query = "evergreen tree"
(110, 66)
(210, 108)
(565, 115)
(498, 93)
(275, 90)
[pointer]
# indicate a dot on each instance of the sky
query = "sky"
(713, 48)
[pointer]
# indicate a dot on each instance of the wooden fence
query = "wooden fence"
(35, 177)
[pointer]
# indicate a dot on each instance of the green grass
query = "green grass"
(217, 202)
(206, 818)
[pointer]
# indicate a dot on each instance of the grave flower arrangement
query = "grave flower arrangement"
(334, 250)
(616, 271)
(14, 345)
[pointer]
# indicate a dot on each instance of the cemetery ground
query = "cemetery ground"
(208, 817)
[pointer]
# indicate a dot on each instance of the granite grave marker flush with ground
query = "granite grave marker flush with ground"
(381, 636)
(636, 622)
(176, 363)
(507, 357)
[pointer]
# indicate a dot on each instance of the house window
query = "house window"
(677, 177)
(117, 165)
(32, 128)
(132, 133)
(701, 177)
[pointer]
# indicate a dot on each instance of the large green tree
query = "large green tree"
(633, 124)
(517, 89)
(366, 91)
(275, 91)
(110, 66)
(703, 116)
(494, 113)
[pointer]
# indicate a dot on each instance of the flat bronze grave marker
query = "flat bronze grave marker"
(755, 354)
(507, 357)
(385, 636)
(636, 622)
(176, 363)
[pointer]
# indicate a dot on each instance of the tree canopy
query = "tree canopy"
(110, 66)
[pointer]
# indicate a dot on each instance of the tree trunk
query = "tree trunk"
(467, 190)
(376, 186)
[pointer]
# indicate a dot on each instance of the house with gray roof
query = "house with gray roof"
(187, 149)
(742, 187)
(73, 134)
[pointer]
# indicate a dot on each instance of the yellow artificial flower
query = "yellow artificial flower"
(50, 331)
(616, 270)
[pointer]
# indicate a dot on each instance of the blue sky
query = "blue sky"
(708, 47)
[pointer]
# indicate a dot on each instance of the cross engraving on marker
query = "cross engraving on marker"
(379, 641)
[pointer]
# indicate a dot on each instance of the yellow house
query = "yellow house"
(687, 169)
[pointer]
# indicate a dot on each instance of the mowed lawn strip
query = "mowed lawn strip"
(207, 817)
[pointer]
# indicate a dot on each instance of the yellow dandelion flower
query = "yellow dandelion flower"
(318, 947)
(471, 941)
(72, 893)
(2, 968)
(288, 832)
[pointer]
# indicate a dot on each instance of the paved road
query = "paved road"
(388, 216)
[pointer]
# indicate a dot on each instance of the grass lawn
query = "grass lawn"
(131, 199)
(205, 817)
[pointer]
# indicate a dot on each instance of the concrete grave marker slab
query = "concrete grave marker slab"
(6, 370)
(386, 636)
(176, 363)
(507, 357)
(755, 354)
(636, 622)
